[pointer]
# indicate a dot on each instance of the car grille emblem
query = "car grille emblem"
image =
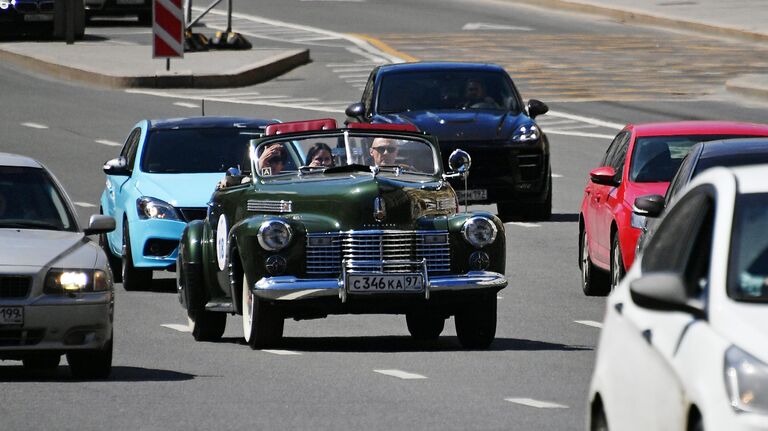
(379, 211)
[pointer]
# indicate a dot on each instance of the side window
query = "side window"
(615, 144)
(131, 146)
(617, 161)
(367, 99)
(680, 179)
(683, 241)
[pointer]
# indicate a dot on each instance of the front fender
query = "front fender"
(461, 249)
(191, 245)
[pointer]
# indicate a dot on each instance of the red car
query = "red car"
(641, 160)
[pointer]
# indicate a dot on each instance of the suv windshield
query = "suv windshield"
(197, 150)
(29, 199)
(440, 90)
(312, 154)
(749, 249)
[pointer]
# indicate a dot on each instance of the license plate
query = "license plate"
(37, 17)
(11, 315)
(372, 283)
(473, 195)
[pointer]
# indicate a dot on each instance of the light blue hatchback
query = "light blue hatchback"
(162, 179)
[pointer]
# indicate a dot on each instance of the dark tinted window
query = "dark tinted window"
(657, 158)
(731, 160)
(438, 90)
(29, 199)
(748, 268)
(197, 150)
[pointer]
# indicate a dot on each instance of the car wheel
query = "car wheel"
(42, 361)
(203, 324)
(91, 364)
(115, 263)
(133, 278)
(476, 323)
(262, 325)
(145, 18)
(598, 421)
(425, 325)
(593, 281)
(617, 263)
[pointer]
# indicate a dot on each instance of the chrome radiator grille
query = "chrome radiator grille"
(366, 250)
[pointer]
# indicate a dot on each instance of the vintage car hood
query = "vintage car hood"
(462, 125)
(38, 248)
(347, 201)
(180, 190)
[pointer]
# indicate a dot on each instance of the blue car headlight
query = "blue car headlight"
(60, 280)
(526, 133)
(151, 208)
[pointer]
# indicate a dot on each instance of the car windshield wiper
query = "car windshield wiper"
(34, 224)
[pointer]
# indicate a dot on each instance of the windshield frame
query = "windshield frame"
(733, 288)
(346, 134)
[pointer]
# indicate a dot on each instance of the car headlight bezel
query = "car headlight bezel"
(155, 209)
(479, 231)
(274, 235)
(526, 133)
(746, 381)
(69, 280)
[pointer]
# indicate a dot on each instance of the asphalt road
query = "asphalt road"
(336, 373)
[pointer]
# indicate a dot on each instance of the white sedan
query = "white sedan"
(684, 344)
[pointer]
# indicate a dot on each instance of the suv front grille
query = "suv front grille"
(14, 286)
(361, 250)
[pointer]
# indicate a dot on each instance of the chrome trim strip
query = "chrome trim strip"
(267, 206)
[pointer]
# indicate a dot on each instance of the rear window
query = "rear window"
(197, 150)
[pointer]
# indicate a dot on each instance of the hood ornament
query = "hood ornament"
(379, 210)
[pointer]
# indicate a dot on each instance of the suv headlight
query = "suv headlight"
(479, 231)
(746, 379)
(151, 208)
(526, 133)
(75, 280)
(274, 235)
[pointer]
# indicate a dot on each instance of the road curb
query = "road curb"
(254, 73)
(640, 17)
(753, 85)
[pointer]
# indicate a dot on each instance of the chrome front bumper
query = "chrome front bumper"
(289, 288)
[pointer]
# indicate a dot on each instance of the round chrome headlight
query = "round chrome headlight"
(274, 235)
(479, 231)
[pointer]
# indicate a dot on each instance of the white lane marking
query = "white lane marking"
(400, 374)
(591, 323)
(280, 352)
(579, 134)
(186, 105)
(34, 125)
(355, 76)
(588, 120)
(353, 69)
(557, 176)
(84, 204)
(523, 224)
(530, 402)
(108, 142)
(176, 327)
(330, 109)
(471, 26)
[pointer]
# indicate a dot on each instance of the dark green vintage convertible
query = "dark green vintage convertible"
(354, 220)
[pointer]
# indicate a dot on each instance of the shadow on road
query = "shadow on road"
(160, 285)
(391, 344)
(564, 217)
(119, 374)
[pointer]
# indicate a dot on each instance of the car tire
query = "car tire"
(617, 263)
(203, 324)
(598, 421)
(115, 263)
(145, 18)
(262, 325)
(133, 278)
(41, 361)
(91, 364)
(424, 325)
(476, 323)
(594, 282)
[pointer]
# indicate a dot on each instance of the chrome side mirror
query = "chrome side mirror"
(99, 224)
(459, 161)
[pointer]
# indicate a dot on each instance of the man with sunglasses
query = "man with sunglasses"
(384, 151)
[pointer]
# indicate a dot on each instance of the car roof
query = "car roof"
(738, 146)
(440, 65)
(17, 160)
(672, 128)
(209, 122)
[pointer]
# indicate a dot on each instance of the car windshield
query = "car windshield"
(187, 151)
(29, 199)
(446, 90)
(749, 249)
(657, 158)
(345, 152)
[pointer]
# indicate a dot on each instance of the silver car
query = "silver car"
(56, 288)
